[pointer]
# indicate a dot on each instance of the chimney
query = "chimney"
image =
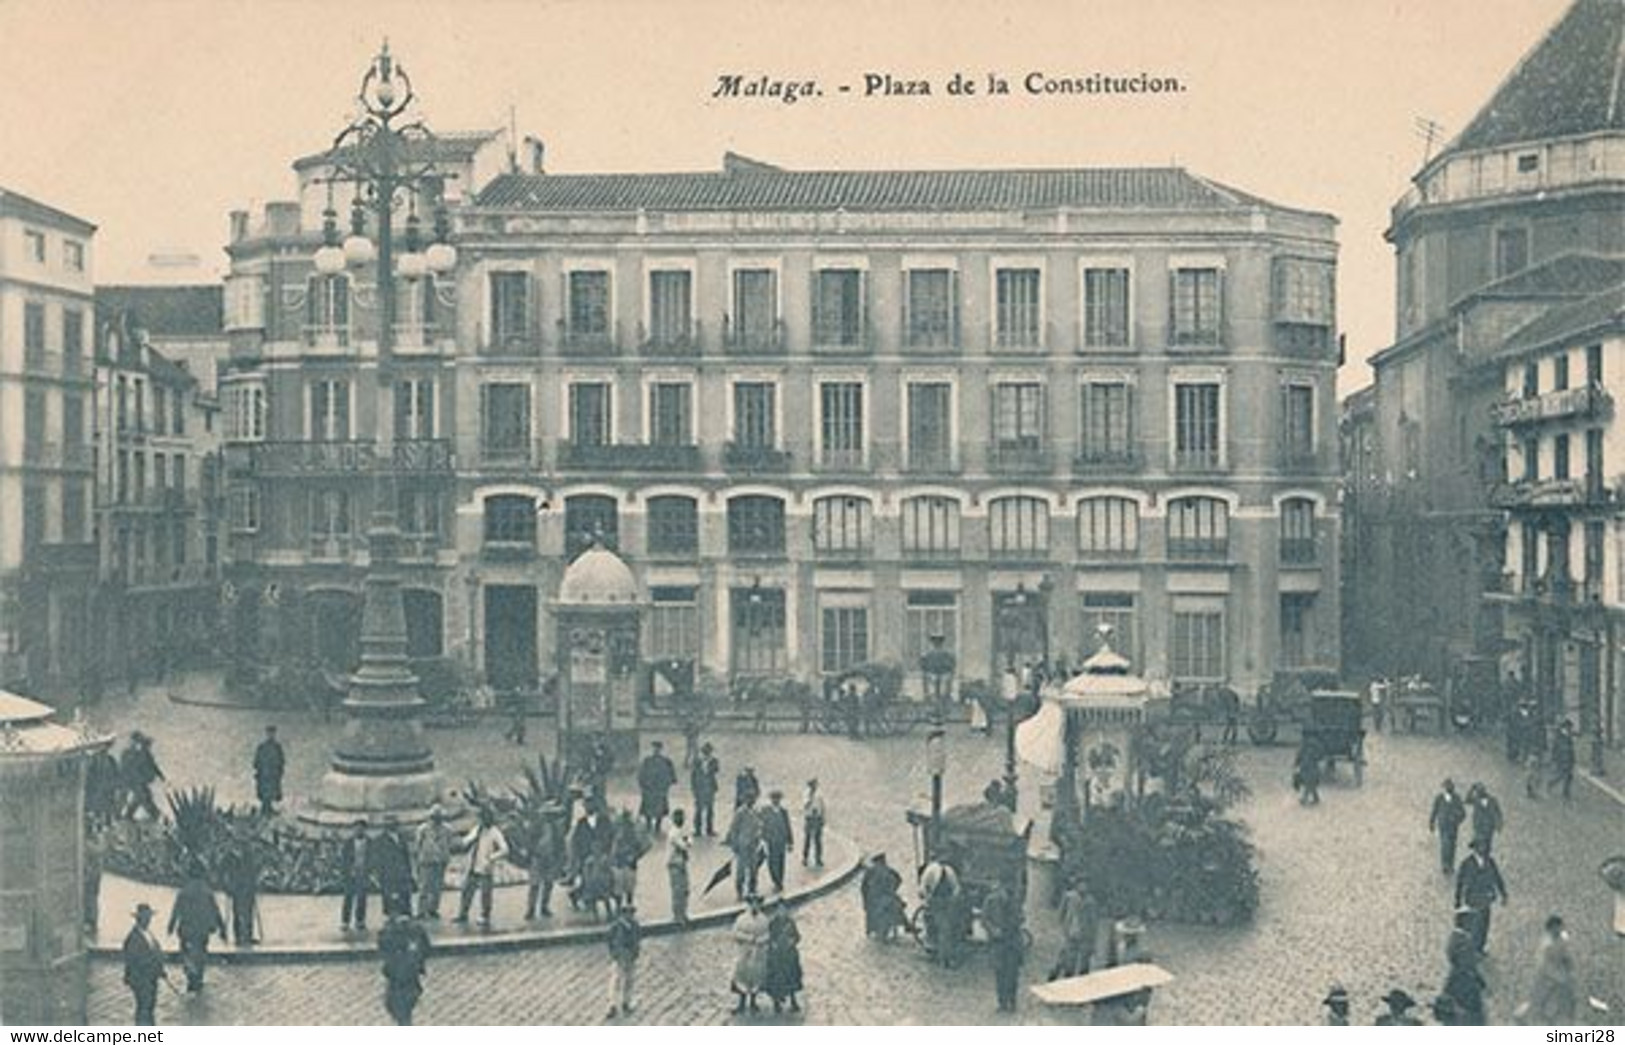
(239, 226)
(282, 219)
(534, 151)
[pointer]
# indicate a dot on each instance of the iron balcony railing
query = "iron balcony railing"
(749, 458)
(1022, 457)
(1583, 403)
(629, 457)
(359, 456)
(670, 340)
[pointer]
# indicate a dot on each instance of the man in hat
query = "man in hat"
(240, 869)
(431, 853)
(1399, 1005)
(394, 862)
(777, 837)
(1464, 985)
(139, 770)
(747, 789)
(143, 966)
(487, 846)
(194, 918)
(1080, 924)
(1478, 884)
(404, 947)
(1563, 759)
(882, 906)
(546, 863)
(1554, 998)
(812, 826)
(269, 763)
(1337, 1006)
(1001, 914)
(679, 850)
(656, 776)
(357, 865)
(1449, 811)
(1486, 813)
(702, 780)
(744, 840)
(624, 942)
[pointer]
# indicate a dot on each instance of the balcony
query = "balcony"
(839, 341)
(172, 499)
(1026, 341)
(1107, 461)
(1299, 551)
(931, 460)
(853, 554)
(1200, 461)
(1022, 458)
(670, 340)
(766, 342)
(851, 459)
(750, 459)
(352, 456)
(932, 340)
(331, 547)
(53, 365)
(327, 337)
(504, 456)
(510, 344)
(629, 457)
(589, 344)
(1198, 549)
(419, 547)
(924, 557)
(509, 547)
(1297, 460)
(416, 337)
(1590, 492)
(1585, 403)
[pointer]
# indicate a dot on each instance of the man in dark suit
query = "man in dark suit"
(404, 947)
(1449, 811)
(356, 862)
(1478, 884)
(143, 966)
(270, 761)
(194, 918)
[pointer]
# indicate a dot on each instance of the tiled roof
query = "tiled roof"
(760, 188)
(453, 147)
(28, 208)
(1567, 274)
(163, 312)
(1569, 83)
(1569, 320)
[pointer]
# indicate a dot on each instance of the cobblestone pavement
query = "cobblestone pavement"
(1351, 890)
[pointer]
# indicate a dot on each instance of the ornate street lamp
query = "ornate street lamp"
(382, 763)
(937, 666)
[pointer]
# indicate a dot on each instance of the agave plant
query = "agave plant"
(195, 816)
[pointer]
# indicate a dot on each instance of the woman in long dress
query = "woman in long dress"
(783, 980)
(1553, 1000)
(751, 934)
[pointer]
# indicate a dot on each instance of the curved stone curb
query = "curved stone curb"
(475, 943)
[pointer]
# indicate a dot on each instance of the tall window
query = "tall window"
(1298, 530)
(1117, 610)
(754, 409)
(1596, 535)
(674, 623)
(930, 526)
(414, 408)
(671, 308)
(73, 427)
(1594, 462)
(758, 633)
(330, 523)
(928, 613)
(73, 340)
(510, 309)
(930, 425)
(73, 255)
(674, 525)
(505, 421)
(1019, 323)
(417, 511)
(1107, 424)
(1594, 365)
(1018, 526)
(840, 424)
(330, 410)
(844, 638)
(1531, 458)
(34, 519)
(34, 242)
(931, 308)
(73, 513)
(1303, 292)
(34, 333)
(756, 309)
(587, 313)
(415, 308)
(1196, 306)
(243, 509)
(671, 413)
(839, 309)
(1511, 251)
(1296, 611)
(510, 519)
(1297, 424)
(590, 517)
(1018, 417)
(755, 525)
(1108, 526)
(1197, 426)
(842, 525)
(1531, 379)
(589, 413)
(1560, 371)
(1105, 308)
(1197, 647)
(327, 309)
(1198, 528)
(1560, 456)
(245, 412)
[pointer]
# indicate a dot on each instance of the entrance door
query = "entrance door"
(510, 637)
(1019, 624)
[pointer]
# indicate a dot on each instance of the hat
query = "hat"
(143, 908)
(1130, 926)
(437, 812)
(1398, 1000)
(1338, 995)
(628, 907)
(775, 793)
(138, 737)
(706, 747)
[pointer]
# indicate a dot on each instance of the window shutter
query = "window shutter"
(312, 288)
(1131, 427)
(1173, 307)
(907, 310)
(818, 311)
(863, 307)
(953, 305)
(1221, 313)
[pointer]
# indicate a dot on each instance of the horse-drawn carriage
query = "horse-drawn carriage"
(1335, 728)
(984, 846)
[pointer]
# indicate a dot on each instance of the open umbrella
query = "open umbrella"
(1041, 739)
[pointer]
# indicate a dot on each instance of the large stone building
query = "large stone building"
(823, 414)
(47, 557)
(1522, 214)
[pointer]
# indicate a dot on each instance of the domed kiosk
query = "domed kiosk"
(598, 614)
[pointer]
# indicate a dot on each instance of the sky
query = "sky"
(155, 118)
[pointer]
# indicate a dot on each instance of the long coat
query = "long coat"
(752, 931)
(269, 763)
(143, 960)
(196, 915)
(1553, 1000)
(783, 956)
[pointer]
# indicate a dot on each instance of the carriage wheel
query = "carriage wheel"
(1262, 729)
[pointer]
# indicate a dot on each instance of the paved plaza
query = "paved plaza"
(1351, 893)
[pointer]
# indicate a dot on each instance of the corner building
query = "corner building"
(825, 415)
